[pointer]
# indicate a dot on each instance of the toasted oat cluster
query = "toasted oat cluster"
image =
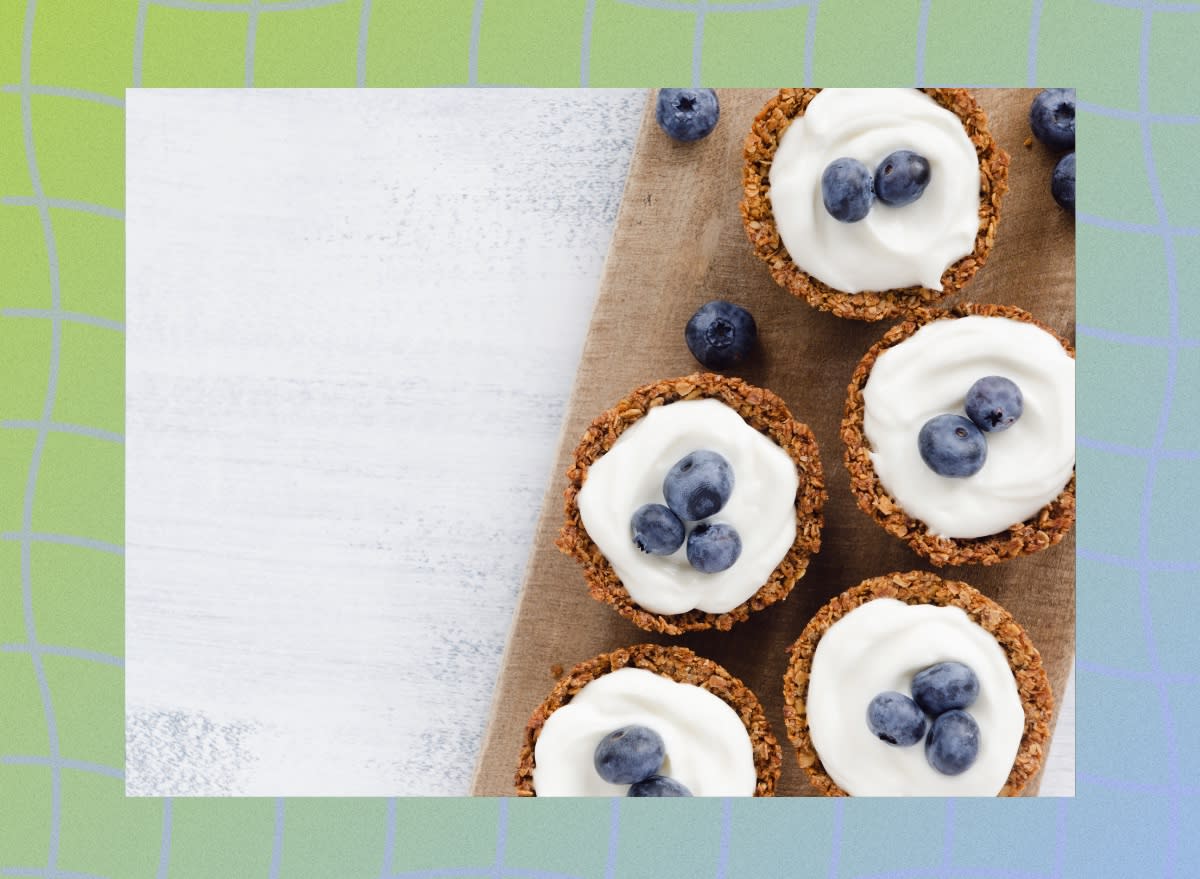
(759, 221)
(762, 410)
(680, 665)
(1046, 528)
(921, 587)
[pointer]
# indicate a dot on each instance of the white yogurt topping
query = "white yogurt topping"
(630, 474)
(929, 374)
(880, 646)
(708, 748)
(892, 247)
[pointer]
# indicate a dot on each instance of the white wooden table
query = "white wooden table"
(353, 323)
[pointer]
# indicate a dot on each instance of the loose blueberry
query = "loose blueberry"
(659, 786)
(1052, 118)
(952, 445)
(698, 486)
(847, 190)
(953, 742)
(901, 178)
(687, 114)
(629, 755)
(894, 718)
(712, 548)
(994, 403)
(1062, 182)
(945, 686)
(720, 334)
(657, 530)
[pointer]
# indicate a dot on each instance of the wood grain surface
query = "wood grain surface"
(679, 242)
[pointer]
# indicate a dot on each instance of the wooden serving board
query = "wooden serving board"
(678, 243)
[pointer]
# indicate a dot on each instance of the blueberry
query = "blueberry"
(712, 548)
(698, 485)
(656, 530)
(847, 190)
(687, 114)
(894, 718)
(901, 178)
(1052, 118)
(629, 754)
(1062, 182)
(945, 686)
(953, 742)
(720, 334)
(994, 403)
(952, 446)
(658, 786)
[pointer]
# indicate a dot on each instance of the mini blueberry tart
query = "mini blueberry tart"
(911, 685)
(648, 721)
(868, 221)
(692, 502)
(959, 431)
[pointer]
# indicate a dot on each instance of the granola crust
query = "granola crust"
(1047, 527)
(759, 220)
(762, 410)
(921, 587)
(681, 665)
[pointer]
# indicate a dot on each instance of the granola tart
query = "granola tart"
(1045, 528)
(917, 588)
(680, 665)
(763, 411)
(759, 219)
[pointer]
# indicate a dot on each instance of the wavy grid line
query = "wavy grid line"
(1160, 433)
(810, 41)
(1035, 28)
(251, 41)
(473, 55)
(277, 840)
(39, 668)
(59, 427)
(66, 652)
(63, 92)
(65, 539)
(63, 763)
(750, 6)
(164, 847)
(39, 201)
(835, 843)
(1137, 564)
(1120, 338)
(70, 316)
(922, 38)
(1189, 7)
(614, 839)
(389, 841)
(1136, 228)
(585, 46)
(1136, 115)
(364, 27)
(250, 6)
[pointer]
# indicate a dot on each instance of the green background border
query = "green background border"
(64, 66)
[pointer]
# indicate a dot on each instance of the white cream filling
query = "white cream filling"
(880, 646)
(708, 748)
(630, 474)
(892, 247)
(929, 374)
